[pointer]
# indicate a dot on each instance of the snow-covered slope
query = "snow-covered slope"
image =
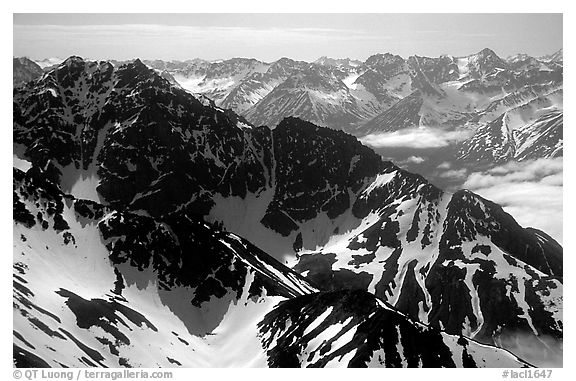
(48, 63)
(403, 114)
(336, 93)
(529, 130)
(215, 80)
(316, 95)
(543, 138)
(485, 102)
(448, 260)
(254, 87)
(476, 88)
(94, 286)
(338, 62)
(387, 77)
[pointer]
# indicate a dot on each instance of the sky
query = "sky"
(269, 37)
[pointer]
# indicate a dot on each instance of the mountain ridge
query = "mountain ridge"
(153, 151)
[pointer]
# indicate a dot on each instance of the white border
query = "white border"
(291, 6)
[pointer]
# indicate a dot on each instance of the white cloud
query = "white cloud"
(169, 41)
(537, 167)
(453, 173)
(185, 31)
(417, 137)
(530, 191)
(415, 159)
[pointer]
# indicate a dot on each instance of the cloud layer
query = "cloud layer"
(417, 137)
(530, 191)
(154, 41)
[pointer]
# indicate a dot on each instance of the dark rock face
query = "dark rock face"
(315, 169)
(157, 148)
(137, 115)
(24, 70)
(379, 69)
(446, 281)
(181, 249)
(486, 62)
(541, 252)
(63, 113)
(376, 335)
(442, 261)
(436, 70)
(402, 114)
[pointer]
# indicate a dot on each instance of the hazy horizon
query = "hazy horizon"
(268, 37)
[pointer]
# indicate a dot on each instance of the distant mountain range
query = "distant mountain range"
(502, 104)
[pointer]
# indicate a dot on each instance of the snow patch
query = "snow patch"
(21, 164)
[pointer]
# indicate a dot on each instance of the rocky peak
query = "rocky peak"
(383, 60)
(24, 70)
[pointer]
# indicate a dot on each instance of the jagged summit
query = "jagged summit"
(556, 57)
(73, 63)
(328, 61)
(382, 58)
(24, 70)
(73, 60)
(372, 87)
(488, 53)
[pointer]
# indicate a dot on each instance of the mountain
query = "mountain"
(457, 91)
(480, 110)
(338, 94)
(337, 62)
(379, 336)
(403, 114)
(212, 79)
(257, 85)
(166, 174)
(386, 76)
(237, 83)
(316, 94)
(95, 286)
(24, 70)
(495, 135)
(448, 260)
(530, 127)
(554, 58)
(434, 70)
(541, 138)
(384, 94)
(484, 66)
(49, 63)
(120, 305)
